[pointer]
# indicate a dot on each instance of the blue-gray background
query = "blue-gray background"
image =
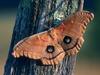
(89, 57)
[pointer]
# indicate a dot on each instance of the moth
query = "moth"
(53, 45)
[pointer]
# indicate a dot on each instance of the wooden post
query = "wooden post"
(36, 16)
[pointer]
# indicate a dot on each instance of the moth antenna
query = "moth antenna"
(81, 4)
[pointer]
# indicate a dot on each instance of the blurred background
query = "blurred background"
(88, 60)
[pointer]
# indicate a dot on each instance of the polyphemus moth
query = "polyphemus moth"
(51, 46)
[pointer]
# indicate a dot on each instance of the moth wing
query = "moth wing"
(35, 47)
(32, 46)
(75, 27)
(76, 23)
